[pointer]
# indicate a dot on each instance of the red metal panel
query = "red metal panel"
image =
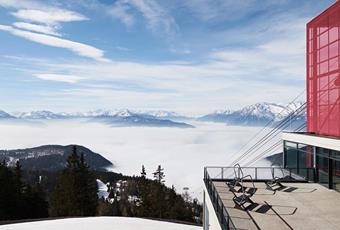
(323, 73)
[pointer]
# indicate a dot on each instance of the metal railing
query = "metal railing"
(263, 173)
(259, 174)
(222, 214)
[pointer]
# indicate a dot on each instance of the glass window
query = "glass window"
(324, 54)
(323, 39)
(336, 175)
(333, 64)
(322, 165)
(323, 67)
(291, 155)
(333, 50)
(333, 34)
(332, 80)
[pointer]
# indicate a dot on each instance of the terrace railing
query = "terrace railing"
(258, 174)
(222, 214)
(262, 174)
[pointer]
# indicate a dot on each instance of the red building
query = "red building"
(323, 69)
(319, 148)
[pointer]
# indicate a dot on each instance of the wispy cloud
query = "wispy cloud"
(48, 16)
(41, 21)
(122, 48)
(50, 30)
(76, 47)
(59, 77)
(230, 10)
(156, 16)
(120, 11)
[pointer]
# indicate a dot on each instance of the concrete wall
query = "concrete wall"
(210, 218)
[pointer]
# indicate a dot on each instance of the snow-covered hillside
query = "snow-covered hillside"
(258, 114)
(123, 117)
(5, 115)
(253, 115)
(40, 115)
(102, 223)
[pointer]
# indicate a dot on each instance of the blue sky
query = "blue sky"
(190, 56)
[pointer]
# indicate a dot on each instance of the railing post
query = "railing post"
(222, 173)
(255, 173)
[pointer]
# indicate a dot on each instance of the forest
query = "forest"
(73, 192)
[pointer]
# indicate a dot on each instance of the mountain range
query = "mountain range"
(115, 118)
(253, 115)
(52, 157)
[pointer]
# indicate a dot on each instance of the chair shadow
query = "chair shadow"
(292, 189)
(268, 209)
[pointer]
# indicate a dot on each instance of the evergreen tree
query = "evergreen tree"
(143, 173)
(159, 174)
(17, 199)
(8, 194)
(76, 191)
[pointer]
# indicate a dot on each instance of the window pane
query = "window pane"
(333, 34)
(334, 64)
(333, 50)
(323, 39)
(324, 54)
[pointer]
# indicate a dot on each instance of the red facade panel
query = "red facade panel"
(323, 73)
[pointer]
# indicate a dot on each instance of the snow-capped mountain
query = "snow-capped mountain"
(129, 118)
(123, 117)
(254, 115)
(35, 115)
(4, 115)
(164, 114)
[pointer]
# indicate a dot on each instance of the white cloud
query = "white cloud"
(19, 4)
(76, 47)
(48, 16)
(208, 10)
(122, 48)
(59, 77)
(120, 11)
(51, 30)
(156, 17)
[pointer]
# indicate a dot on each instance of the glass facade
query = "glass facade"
(323, 73)
(299, 158)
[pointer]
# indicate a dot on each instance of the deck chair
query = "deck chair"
(241, 193)
(276, 182)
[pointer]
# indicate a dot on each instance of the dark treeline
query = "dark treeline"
(142, 197)
(73, 192)
(19, 200)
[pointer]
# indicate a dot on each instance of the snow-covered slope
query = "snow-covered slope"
(4, 115)
(102, 189)
(257, 114)
(40, 115)
(102, 223)
(122, 117)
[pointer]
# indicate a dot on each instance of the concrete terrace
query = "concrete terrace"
(296, 206)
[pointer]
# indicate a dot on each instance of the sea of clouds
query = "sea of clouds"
(183, 153)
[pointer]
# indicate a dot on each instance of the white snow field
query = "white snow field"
(182, 152)
(102, 223)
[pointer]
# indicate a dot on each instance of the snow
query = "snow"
(102, 189)
(183, 153)
(102, 223)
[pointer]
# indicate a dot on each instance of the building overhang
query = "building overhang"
(313, 140)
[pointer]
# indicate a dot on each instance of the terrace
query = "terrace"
(279, 207)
